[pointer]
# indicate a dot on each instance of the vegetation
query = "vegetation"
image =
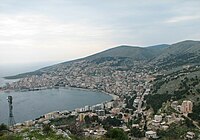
(116, 134)
(62, 121)
(4, 134)
(47, 129)
(10, 137)
(156, 100)
(182, 53)
(129, 102)
(175, 132)
(3, 127)
(89, 120)
(195, 115)
(136, 132)
(108, 122)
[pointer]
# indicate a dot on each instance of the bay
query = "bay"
(33, 104)
(3, 81)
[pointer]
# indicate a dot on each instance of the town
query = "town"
(128, 111)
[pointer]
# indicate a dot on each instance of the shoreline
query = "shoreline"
(113, 97)
(67, 87)
(95, 90)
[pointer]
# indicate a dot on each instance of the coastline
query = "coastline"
(113, 97)
(66, 87)
(95, 90)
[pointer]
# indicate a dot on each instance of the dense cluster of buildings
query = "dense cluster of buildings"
(88, 75)
(126, 84)
(116, 82)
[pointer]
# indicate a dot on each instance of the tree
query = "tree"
(137, 133)
(3, 127)
(47, 129)
(189, 123)
(87, 119)
(117, 134)
(156, 100)
(111, 122)
(95, 119)
(120, 116)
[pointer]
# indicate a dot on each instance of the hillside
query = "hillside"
(135, 53)
(182, 53)
(183, 84)
(121, 54)
(163, 56)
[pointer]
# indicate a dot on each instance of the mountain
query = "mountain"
(157, 49)
(135, 53)
(163, 56)
(182, 53)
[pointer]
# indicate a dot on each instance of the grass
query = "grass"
(10, 137)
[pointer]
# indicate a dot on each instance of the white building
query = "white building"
(98, 107)
(87, 108)
(51, 115)
(158, 118)
(29, 123)
(190, 135)
(151, 134)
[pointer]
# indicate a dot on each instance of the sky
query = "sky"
(37, 31)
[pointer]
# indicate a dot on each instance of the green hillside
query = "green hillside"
(136, 53)
(182, 53)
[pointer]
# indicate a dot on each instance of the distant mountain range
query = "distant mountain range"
(163, 56)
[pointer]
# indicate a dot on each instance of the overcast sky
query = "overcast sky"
(34, 31)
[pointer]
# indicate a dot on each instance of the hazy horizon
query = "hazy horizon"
(61, 30)
(13, 69)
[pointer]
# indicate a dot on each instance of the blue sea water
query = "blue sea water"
(33, 104)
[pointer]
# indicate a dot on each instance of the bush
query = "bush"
(117, 134)
(137, 133)
(3, 127)
(47, 129)
(156, 100)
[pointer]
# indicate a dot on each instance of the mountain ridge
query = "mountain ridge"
(163, 55)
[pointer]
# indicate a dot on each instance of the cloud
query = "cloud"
(55, 30)
(28, 37)
(183, 19)
(39, 27)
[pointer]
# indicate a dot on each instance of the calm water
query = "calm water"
(4, 81)
(32, 104)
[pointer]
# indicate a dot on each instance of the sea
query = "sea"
(33, 104)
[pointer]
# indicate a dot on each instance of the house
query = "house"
(186, 107)
(151, 134)
(158, 118)
(51, 115)
(190, 135)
